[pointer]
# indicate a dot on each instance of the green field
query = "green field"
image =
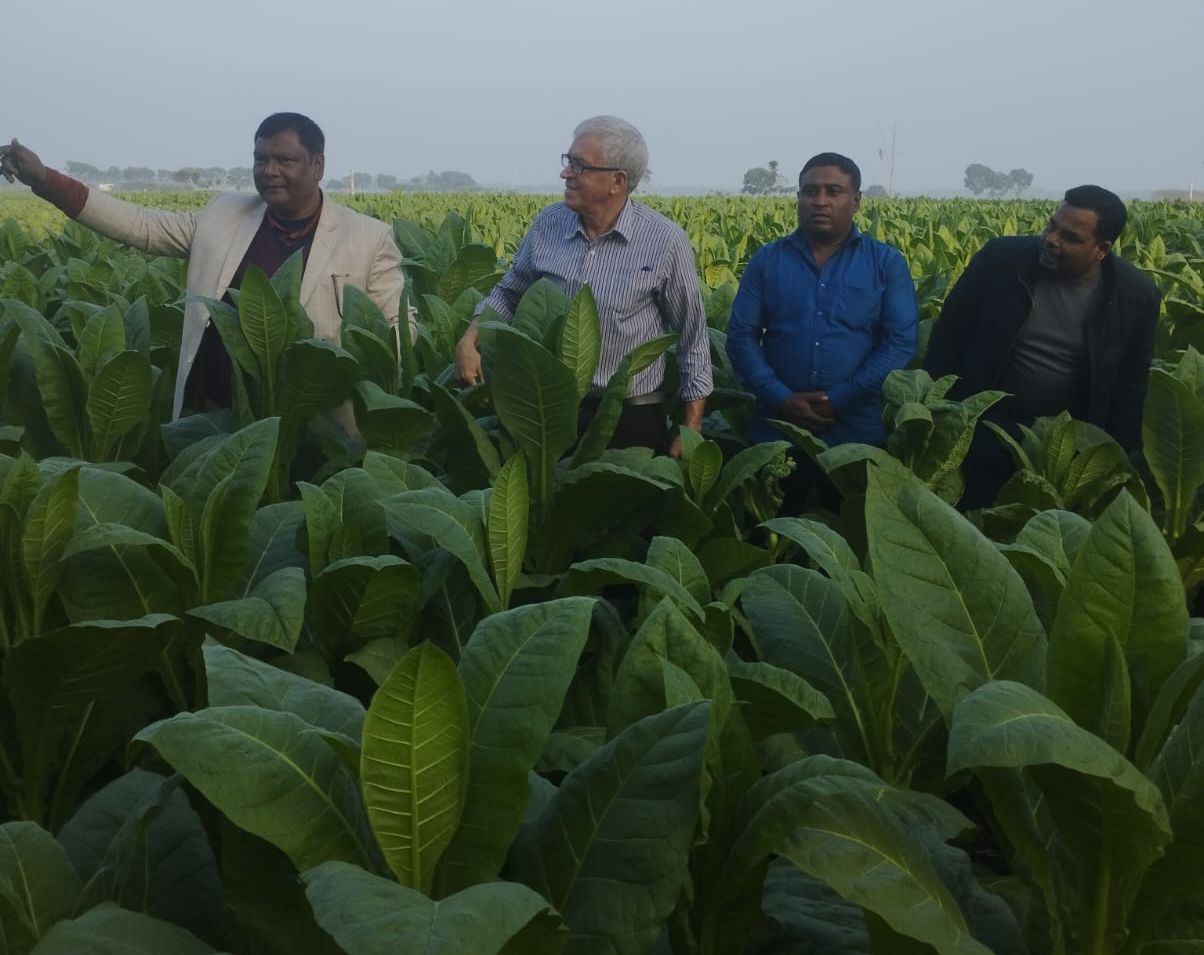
(472, 685)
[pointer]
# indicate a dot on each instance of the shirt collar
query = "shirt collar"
(799, 240)
(624, 226)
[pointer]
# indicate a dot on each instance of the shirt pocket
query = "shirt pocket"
(631, 294)
(857, 306)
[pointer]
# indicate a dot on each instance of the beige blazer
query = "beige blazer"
(348, 249)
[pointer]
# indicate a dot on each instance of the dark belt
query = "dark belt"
(651, 398)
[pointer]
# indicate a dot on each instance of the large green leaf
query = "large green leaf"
(610, 850)
(516, 669)
(414, 766)
(681, 563)
(535, 397)
(1110, 821)
(272, 613)
(272, 774)
(452, 524)
(591, 501)
(59, 376)
(102, 337)
(602, 426)
(840, 823)
(1059, 535)
(472, 460)
(581, 339)
(591, 576)
(274, 542)
(54, 677)
(119, 400)
(140, 841)
(239, 476)
(1172, 429)
(264, 323)
(1178, 771)
(363, 598)
(1169, 706)
(473, 267)
(541, 307)
(957, 607)
(38, 886)
(315, 376)
(247, 453)
(390, 424)
(741, 468)
(368, 915)
(377, 358)
(509, 508)
(267, 898)
(48, 527)
(666, 655)
(1121, 625)
(235, 679)
(775, 700)
(800, 622)
(110, 930)
(119, 558)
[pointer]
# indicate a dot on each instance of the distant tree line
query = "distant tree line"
(240, 179)
(767, 181)
(980, 179)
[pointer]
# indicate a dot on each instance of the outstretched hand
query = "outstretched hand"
(21, 162)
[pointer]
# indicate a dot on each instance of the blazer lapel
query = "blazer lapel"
(325, 240)
(239, 243)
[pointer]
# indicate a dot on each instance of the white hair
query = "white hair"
(622, 145)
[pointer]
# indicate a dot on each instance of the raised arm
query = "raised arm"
(156, 231)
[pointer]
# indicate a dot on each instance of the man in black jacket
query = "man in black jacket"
(1057, 321)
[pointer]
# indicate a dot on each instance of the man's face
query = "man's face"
(826, 203)
(591, 190)
(286, 175)
(1070, 248)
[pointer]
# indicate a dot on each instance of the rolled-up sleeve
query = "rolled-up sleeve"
(504, 297)
(684, 314)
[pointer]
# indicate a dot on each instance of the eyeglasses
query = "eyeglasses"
(568, 161)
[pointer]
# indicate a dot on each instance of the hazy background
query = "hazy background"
(1071, 90)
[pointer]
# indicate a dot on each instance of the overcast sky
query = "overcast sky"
(1110, 91)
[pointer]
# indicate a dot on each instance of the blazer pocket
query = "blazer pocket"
(340, 281)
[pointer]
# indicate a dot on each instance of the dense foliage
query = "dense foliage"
(466, 683)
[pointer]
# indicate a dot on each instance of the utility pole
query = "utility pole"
(888, 157)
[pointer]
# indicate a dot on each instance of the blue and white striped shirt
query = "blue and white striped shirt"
(643, 278)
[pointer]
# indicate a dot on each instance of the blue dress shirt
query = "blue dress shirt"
(840, 329)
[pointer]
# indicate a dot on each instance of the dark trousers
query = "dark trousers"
(807, 483)
(986, 469)
(640, 426)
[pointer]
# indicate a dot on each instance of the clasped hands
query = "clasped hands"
(810, 409)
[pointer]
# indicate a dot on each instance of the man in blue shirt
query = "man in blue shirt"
(823, 315)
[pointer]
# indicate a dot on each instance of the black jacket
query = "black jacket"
(985, 310)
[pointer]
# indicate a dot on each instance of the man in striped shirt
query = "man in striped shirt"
(637, 263)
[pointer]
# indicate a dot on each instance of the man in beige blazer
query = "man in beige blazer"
(340, 247)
